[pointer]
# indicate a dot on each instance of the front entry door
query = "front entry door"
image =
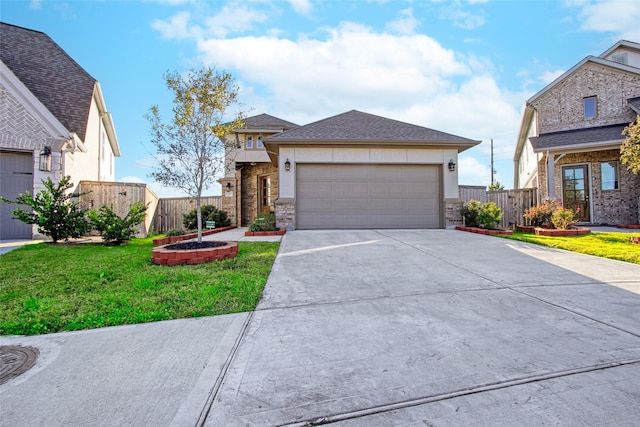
(575, 191)
(265, 195)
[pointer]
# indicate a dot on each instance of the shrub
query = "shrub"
(470, 212)
(563, 218)
(490, 215)
(540, 215)
(53, 211)
(174, 232)
(115, 229)
(209, 213)
(264, 222)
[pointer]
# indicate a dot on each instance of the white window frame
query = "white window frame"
(595, 106)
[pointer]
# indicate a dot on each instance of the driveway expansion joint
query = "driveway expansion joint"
(459, 393)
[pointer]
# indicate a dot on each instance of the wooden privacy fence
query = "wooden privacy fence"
(513, 203)
(162, 214)
(170, 212)
(120, 195)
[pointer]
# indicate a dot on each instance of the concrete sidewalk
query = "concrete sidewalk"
(366, 328)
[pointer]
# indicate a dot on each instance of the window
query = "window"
(621, 58)
(609, 175)
(590, 107)
(249, 142)
(260, 144)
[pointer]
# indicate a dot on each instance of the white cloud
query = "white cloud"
(405, 23)
(549, 76)
(302, 7)
(619, 17)
(233, 18)
(177, 27)
(461, 17)
(35, 4)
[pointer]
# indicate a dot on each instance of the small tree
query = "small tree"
(495, 186)
(191, 147)
(53, 211)
(630, 149)
(115, 229)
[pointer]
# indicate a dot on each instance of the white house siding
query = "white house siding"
(561, 108)
(528, 161)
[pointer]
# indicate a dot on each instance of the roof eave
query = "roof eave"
(107, 119)
(581, 148)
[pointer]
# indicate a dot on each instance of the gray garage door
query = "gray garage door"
(16, 176)
(340, 196)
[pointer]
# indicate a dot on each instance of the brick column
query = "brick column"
(453, 212)
(285, 213)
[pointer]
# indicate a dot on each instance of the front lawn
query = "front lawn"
(48, 288)
(607, 245)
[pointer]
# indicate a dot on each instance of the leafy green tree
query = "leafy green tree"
(630, 149)
(495, 186)
(191, 147)
(53, 211)
(115, 229)
(209, 213)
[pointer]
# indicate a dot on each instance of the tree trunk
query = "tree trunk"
(199, 216)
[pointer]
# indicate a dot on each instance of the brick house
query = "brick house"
(54, 121)
(353, 170)
(570, 135)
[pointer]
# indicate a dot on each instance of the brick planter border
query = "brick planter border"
(484, 231)
(576, 231)
(266, 233)
(174, 239)
(163, 256)
(630, 226)
(635, 239)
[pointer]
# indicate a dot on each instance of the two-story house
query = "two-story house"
(569, 140)
(54, 121)
(353, 170)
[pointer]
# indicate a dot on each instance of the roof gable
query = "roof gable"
(267, 122)
(58, 82)
(355, 126)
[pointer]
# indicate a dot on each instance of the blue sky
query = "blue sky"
(462, 67)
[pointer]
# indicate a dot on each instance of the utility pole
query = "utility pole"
(492, 170)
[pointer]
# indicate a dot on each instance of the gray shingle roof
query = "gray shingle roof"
(634, 103)
(356, 126)
(58, 82)
(577, 137)
(265, 121)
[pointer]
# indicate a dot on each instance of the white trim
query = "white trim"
(107, 120)
(33, 105)
(580, 148)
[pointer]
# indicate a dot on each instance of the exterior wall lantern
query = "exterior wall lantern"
(228, 187)
(45, 159)
(452, 166)
(287, 165)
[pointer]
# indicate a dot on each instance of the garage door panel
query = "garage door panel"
(368, 196)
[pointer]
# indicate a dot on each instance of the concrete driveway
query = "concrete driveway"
(365, 328)
(436, 327)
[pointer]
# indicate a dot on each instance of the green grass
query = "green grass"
(48, 288)
(607, 245)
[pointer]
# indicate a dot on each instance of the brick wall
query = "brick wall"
(250, 185)
(561, 108)
(286, 213)
(607, 206)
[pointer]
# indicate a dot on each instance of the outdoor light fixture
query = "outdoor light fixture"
(228, 187)
(452, 166)
(123, 193)
(287, 165)
(45, 159)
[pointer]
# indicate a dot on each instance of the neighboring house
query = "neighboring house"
(350, 171)
(570, 136)
(54, 121)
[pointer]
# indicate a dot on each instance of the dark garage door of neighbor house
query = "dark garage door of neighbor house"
(366, 196)
(16, 176)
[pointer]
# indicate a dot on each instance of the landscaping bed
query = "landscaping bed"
(544, 231)
(488, 231)
(280, 232)
(173, 239)
(192, 253)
